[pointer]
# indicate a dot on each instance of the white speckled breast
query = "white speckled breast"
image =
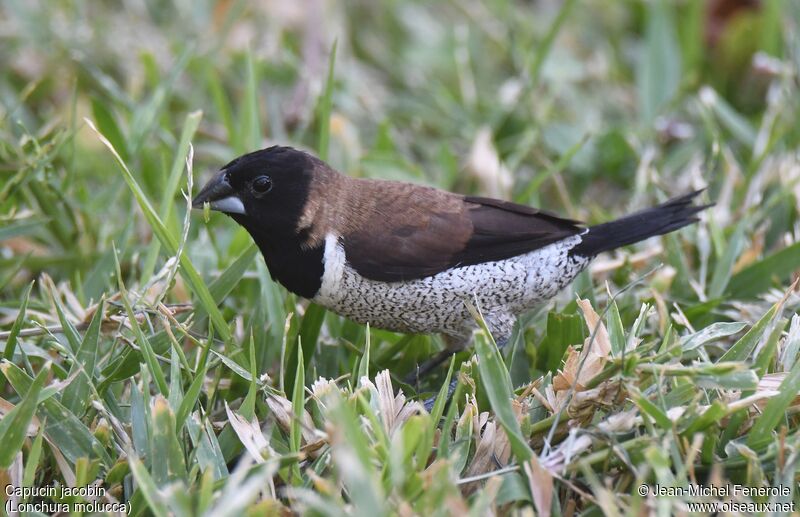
(503, 289)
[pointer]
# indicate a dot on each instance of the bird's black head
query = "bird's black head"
(264, 191)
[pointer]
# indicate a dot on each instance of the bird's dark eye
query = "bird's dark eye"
(261, 185)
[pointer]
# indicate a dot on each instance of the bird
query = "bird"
(411, 258)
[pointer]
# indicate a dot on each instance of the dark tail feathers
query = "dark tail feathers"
(667, 217)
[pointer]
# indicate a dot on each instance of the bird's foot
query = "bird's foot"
(450, 390)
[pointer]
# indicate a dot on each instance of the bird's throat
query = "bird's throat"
(290, 260)
(298, 269)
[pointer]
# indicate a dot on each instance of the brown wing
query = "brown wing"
(501, 229)
(427, 234)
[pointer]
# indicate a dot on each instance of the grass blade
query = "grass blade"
(190, 398)
(248, 407)
(658, 73)
(310, 327)
(441, 397)
(149, 356)
(69, 330)
(497, 382)
(722, 273)
(758, 277)
(224, 284)
(108, 125)
(147, 487)
(741, 350)
(14, 426)
(11, 341)
(615, 331)
(170, 243)
(190, 126)
(325, 106)
(298, 399)
(63, 428)
(544, 47)
(250, 136)
(363, 363)
(775, 411)
(168, 463)
(76, 395)
(32, 461)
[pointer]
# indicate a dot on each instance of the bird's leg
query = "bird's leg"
(501, 342)
(425, 368)
(454, 345)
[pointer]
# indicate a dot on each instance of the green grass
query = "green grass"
(146, 349)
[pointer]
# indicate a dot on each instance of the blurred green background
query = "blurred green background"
(589, 109)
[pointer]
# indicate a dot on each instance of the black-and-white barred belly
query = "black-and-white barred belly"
(503, 290)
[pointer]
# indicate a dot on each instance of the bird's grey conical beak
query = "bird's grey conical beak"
(220, 195)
